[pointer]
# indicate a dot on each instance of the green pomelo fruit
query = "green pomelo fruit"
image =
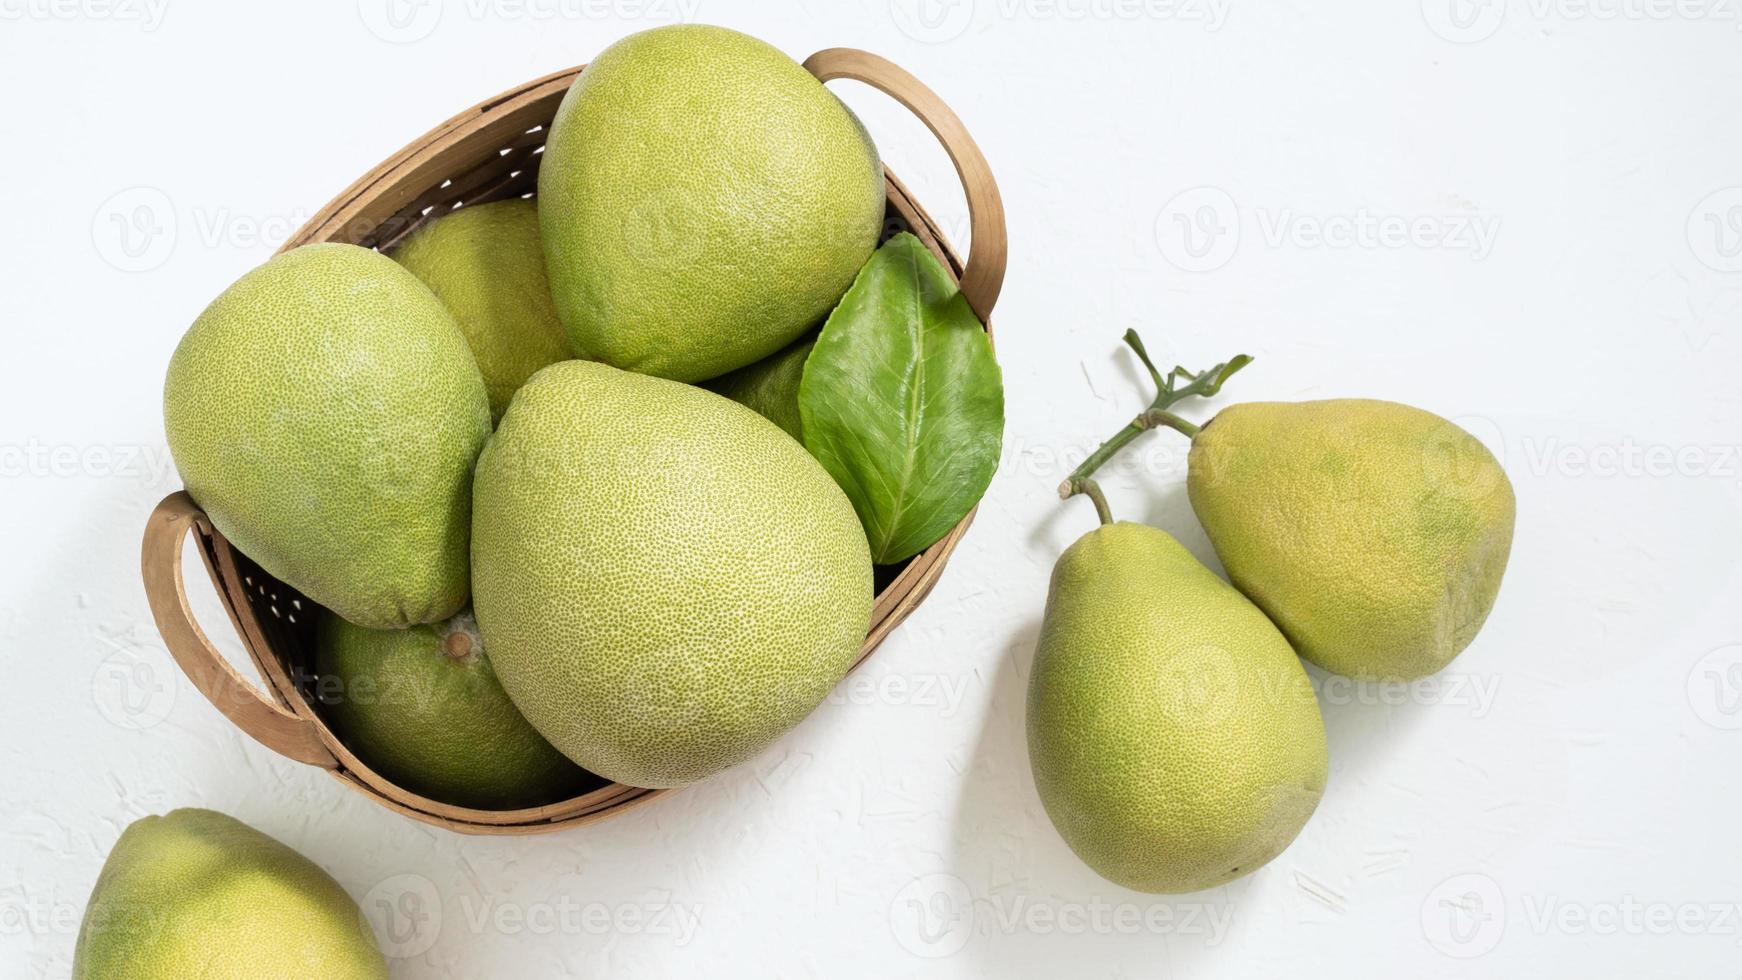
(325, 413)
(422, 707)
(486, 264)
(1175, 738)
(195, 893)
(770, 386)
(665, 581)
(1374, 534)
(704, 201)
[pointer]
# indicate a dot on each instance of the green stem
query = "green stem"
(1089, 488)
(1169, 390)
(1151, 418)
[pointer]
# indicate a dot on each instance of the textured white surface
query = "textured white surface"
(1567, 283)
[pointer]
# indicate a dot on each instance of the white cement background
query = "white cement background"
(1568, 809)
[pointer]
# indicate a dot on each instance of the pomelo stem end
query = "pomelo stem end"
(457, 645)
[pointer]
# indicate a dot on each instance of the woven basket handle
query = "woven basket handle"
(984, 277)
(241, 702)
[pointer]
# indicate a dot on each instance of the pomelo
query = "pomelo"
(704, 200)
(1374, 534)
(422, 707)
(195, 893)
(770, 386)
(666, 582)
(486, 264)
(1175, 740)
(325, 412)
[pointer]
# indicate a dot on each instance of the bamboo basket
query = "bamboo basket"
(487, 153)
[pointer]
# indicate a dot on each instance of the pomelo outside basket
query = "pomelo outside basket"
(487, 153)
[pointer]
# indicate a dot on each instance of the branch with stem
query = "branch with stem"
(1171, 388)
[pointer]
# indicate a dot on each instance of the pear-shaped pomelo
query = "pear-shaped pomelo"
(1373, 533)
(1175, 739)
(486, 264)
(770, 386)
(325, 413)
(666, 582)
(704, 200)
(195, 893)
(422, 707)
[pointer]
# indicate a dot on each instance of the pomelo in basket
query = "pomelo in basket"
(704, 200)
(195, 893)
(325, 412)
(666, 581)
(422, 707)
(486, 264)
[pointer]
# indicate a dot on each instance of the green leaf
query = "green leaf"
(902, 401)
